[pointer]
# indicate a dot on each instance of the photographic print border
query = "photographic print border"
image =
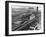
(7, 17)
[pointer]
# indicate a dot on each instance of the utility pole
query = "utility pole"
(37, 8)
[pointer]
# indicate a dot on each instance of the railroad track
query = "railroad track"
(24, 24)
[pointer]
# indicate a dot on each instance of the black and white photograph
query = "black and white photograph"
(25, 18)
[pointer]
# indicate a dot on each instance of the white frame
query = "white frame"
(25, 32)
